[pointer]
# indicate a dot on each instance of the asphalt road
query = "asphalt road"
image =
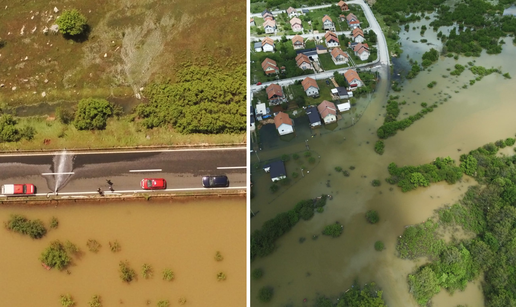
(83, 173)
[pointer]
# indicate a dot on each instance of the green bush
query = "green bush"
(257, 273)
(338, 169)
(67, 300)
(168, 274)
(95, 301)
(333, 230)
(92, 114)
(265, 294)
(379, 147)
(72, 23)
(285, 158)
(8, 130)
(55, 256)
(372, 216)
(376, 183)
(295, 156)
(274, 188)
(147, 271)
(127, 274)
(35, 229)
(510, 141)
(54, 223)
(378, 245)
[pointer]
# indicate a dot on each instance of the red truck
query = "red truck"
(18, 189)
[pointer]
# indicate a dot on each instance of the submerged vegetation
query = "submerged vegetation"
(333, 230)
(368, 295)
(56, 256)
(262, 240)
(488, 213)
(35, 229)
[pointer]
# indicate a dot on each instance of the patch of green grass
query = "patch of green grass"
(327, 63)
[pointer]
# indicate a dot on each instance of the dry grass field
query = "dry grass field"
(130, 43)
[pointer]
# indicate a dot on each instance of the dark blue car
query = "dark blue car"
(220, 181)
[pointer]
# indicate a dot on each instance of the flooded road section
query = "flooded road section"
(465, 120)
(182, 236)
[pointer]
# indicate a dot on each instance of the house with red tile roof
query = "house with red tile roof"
(339, 57)
(275, 94)
(284, 123)
(298, 42)
(362, 51)
(328, 111)
(353, 79)
(303, 62)
(328, 23)
(311, 87)
(331, 39)
(353, 21)
(358, 35)
(268, 44)
(296, 25)
(292, 12)
(343, 5)
(269, 25)
(270, 67)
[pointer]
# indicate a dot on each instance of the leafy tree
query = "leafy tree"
(67, 300)
(372, 216)
(35, 229)
(72, 23)
(168, 274)
(257, 273)
(369, 295)
(127, 274)
(423, 285)
(265, 294)
(378, 245)
(333, 230)
(8, 130)
(95, 301)
(379, 147)
(418, 179)
(469, 166)
(92, 114)
(55, 256)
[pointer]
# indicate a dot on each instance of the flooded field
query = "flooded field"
(180, 235)
(465, 119)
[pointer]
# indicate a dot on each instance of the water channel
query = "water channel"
(465, 119)
(181, 235)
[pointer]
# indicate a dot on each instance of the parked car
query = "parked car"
(219, 181)
(259, 83)
(153, 184)
(18, 189)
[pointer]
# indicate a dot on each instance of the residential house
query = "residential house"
(298, 42)
(252, 23)
(331, 39)
(296, 24)
(321, 49)
(270, 67)
(275, 94)
(284, 123)
(343, 107)
(328, 23)
(261, 111)
(292, 12)
(310, 53)
(313, 116)
(269, 26)
(353, 79)
(258, 47)
(277, 170)
(362, 51)
(310, 86)
(358, 35)
(353, 21)
(267, 13)
(303, 62)
(340, 93)
(268, 44)
(343, 6)
(339, 57)
(328, 111)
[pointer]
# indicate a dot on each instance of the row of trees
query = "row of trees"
(263, 240)
(203, 100)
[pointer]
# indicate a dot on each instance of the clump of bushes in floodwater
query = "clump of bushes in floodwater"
(20, 224)
(333, 230)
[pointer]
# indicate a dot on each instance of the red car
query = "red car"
(153, 184)
(259, 83)
(18, 189)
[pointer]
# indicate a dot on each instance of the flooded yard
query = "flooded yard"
(183, 236)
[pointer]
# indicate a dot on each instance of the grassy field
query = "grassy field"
(118, 134)
(129, 44)
(328, 64)
(324, 92)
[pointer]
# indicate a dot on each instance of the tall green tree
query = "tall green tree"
(92, 114)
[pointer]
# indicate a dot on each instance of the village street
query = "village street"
(383, 52)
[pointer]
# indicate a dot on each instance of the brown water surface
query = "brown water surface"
(468, 118)
(182, 236)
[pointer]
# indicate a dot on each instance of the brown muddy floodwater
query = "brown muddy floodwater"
(474, 116)
(181, 235)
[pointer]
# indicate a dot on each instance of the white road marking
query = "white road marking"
(144, 170)
(65, 173)
(71, 152)
(140, 191)
(231, 167)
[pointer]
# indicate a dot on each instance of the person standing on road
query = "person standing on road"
(109, 182)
